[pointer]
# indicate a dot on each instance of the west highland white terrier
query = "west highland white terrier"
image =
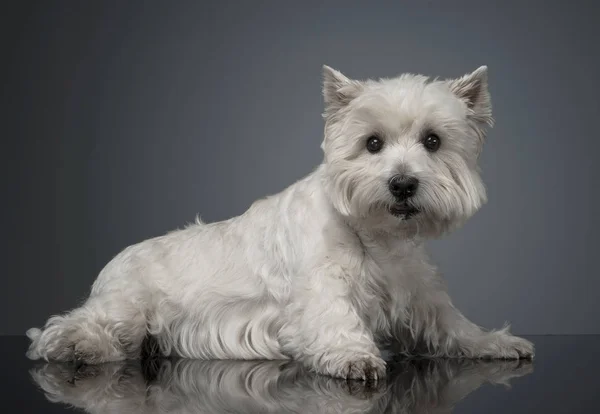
(329, 271)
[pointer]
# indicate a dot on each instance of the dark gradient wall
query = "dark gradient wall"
(123, 120)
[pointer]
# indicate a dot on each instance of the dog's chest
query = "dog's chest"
(394, 262)
(391, 277)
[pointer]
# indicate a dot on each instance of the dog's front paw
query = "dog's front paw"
(525, 349)
(353, 365)
(502, 345)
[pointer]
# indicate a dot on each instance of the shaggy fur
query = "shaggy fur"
(325, 272)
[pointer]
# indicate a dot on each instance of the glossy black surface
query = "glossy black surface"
(563, 378)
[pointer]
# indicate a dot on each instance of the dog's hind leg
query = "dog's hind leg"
(106, 328)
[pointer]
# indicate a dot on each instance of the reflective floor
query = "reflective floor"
(564, 378)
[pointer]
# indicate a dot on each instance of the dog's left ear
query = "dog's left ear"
(338, 90)
(472, 89)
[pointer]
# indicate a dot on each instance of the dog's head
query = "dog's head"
(401, 153)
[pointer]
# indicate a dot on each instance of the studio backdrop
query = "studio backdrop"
(123, 120)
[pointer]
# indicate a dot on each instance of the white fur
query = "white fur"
(321, 272)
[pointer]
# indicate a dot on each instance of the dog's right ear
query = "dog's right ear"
(338, 90)
(472, 89)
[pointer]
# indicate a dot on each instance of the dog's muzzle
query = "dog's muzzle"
(403, 210)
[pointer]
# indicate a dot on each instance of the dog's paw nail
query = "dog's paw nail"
(369, 368)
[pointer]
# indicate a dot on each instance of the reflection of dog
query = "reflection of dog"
(326, 269)
(194, 386)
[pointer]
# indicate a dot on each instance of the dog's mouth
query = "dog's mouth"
(403, 210)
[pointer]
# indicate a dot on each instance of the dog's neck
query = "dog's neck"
(386, 242)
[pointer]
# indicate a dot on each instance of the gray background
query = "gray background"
(123, 120)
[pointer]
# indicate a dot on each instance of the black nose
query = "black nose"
(403, 187)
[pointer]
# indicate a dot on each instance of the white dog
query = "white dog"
(326, 272)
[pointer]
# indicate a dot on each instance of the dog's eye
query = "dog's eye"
(374, 144)
(432, 142)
